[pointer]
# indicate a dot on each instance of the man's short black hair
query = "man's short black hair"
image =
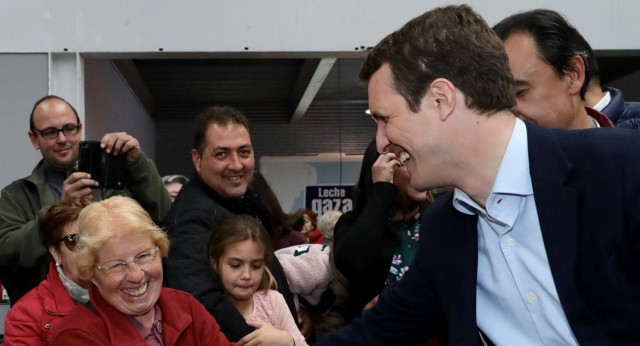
(221, 115)
(556, 40)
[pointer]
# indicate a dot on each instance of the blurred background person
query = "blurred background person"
(376, 242)
(32, 318)
(282, 227)
(552, 65)
(239, 251)
(310, 229)
(174, 183)
(326, 224)
(318, 285)
(119, 252)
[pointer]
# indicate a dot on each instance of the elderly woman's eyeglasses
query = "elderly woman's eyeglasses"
(119, 267)
(70, 241)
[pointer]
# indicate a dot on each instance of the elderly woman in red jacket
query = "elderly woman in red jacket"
(119, 253)
(32, 317)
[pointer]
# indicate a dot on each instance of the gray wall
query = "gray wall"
(23, 80)
(266, 26)
(71, 31)
(111, 106)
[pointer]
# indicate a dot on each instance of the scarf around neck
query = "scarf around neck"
(79, 294)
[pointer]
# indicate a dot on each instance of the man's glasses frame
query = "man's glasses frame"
(70, 241)
(53, 132)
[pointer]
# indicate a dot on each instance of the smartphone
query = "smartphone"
(107, 169)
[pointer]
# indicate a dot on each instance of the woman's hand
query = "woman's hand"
(306, 322)
(265, 334)
(383, 168)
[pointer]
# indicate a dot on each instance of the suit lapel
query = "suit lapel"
(467, 256)
(452, 246)
(557, 207)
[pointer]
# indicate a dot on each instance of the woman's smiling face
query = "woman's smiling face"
(136, 290)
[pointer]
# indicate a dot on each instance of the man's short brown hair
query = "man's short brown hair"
(453, 43)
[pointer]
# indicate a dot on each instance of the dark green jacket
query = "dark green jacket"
(23, 258)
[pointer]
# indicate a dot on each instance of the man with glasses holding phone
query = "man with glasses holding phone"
(55, 130)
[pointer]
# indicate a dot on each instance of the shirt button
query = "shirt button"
(499, 201)
(47, 326)
(511, 242)
(533, 297)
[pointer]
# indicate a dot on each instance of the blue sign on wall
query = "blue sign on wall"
(323, 198)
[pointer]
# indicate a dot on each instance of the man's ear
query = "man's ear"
(195, 156)
(34, 140)
(442, 95)
(575, 74)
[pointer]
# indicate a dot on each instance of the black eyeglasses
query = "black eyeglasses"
(52, 132)
(70, 241)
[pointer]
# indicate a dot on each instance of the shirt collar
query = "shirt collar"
(604, 101)
(598, 119)
(513, 176)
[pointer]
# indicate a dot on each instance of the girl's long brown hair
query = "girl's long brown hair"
(238, 228)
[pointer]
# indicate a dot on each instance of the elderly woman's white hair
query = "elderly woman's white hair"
(174, 178)
(326, 223)
(108, 219)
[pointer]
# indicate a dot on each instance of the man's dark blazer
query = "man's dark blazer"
(586, 186)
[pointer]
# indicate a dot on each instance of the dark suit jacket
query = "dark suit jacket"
(587, 191)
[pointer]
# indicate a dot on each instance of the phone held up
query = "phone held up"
(107, 169)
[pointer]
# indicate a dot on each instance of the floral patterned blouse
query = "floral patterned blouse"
(408, 233)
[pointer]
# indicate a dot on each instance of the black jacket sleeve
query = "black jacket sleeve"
(364, 246)
(187, 268)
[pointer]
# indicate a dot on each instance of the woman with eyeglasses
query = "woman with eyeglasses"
(32, 318)
(119, 252)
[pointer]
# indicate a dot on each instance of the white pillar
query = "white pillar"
(66, 79)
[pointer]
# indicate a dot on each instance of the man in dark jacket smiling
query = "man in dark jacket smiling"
(223, 157)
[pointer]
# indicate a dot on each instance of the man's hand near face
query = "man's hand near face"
(78, 185)
(120, 143)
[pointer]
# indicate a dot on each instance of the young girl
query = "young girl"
(239, 251)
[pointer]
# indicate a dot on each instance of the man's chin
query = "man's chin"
(235, 192)
(62, 165)
(418, 185)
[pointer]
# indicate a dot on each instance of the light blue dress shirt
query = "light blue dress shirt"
(517, 301)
